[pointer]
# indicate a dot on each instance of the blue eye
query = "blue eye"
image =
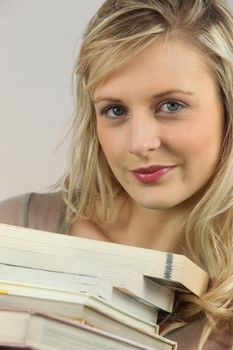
(171, 107)
(118, 112)
(114, 111)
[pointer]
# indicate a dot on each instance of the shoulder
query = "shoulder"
(12, 210)
(42, 211)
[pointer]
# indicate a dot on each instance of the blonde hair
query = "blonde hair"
(120, 30)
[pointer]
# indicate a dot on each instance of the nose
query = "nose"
(145, 135)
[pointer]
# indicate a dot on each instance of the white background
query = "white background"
(39, 40)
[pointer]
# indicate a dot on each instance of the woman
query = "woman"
(151, 156)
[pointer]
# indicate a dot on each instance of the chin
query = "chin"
(156, 205)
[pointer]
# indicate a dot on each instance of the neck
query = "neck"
(147, 228)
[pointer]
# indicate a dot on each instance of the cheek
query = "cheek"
(201, 145)
(103, 137)
(112, 143)
(210, 137)
(109, 147)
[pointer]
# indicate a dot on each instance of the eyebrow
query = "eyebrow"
(159, 95)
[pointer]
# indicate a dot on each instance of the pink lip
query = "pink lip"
(152, 173)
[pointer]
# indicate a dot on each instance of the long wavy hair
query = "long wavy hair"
(118, 31)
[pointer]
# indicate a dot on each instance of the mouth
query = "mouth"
(153, 173)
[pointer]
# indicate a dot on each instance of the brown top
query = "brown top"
(40, 211)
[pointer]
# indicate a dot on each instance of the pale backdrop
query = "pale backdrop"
(39, 40)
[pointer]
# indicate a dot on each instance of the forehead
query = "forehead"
(161, 63)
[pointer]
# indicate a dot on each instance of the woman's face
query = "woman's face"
(160, 125)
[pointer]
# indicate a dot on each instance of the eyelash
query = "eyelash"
(112, 106)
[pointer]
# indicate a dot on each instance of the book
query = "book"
(41, 331)
(55, 252)
(97, 284)
(84, 307)
(120, 300)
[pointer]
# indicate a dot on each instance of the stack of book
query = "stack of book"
(64, 292)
